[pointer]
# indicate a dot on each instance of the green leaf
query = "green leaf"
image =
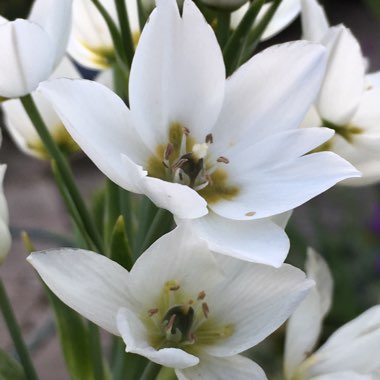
(73, 335)
(10, 369)
(119, 247)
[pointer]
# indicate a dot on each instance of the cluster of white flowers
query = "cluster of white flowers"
(230, 158)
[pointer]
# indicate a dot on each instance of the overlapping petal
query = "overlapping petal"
(88, 282)
(261, 241)
(186, 83)
(314, 21)
(235, 367)
(339, 98)
(254, 108)
(34, 47)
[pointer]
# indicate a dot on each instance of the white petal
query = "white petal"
(312, 119)
(186, 82)
(285, 14)
(178, 255)
(55, 18)
(18, 122)
(339, 98)
(270, 93)
(318, 270)
(235, 367)
(367, 116)
(361, 157)
(90, 38)
(29, 59)
(91, 284)
(135, 336)
(314, 21)
(180, 200)
(260, 241)
(373, 79)
(305, 324)
(99, 122)
(302, 333)
(285, 186)
(355, 346)
(254, 303)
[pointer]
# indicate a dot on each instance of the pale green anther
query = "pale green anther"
(348, 131)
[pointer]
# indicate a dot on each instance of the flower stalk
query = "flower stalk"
(63, 167)
(14, 331)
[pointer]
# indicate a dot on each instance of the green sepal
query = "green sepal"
(10, 369)
(120, 250)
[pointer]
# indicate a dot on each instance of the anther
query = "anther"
(152, 312)
(251, 213)
(201, 295)
(223, 159)
(179, 163)
(209, 139)
(174, 288)
(186, 131)
(205, 309)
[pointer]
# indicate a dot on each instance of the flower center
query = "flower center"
(183, 160)
(179, 321)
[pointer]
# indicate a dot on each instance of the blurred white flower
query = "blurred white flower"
(195, 142)
(194, 312)
(22, 129)
(352, 352)
(32, 48)
(5, 236)
(90, 41)
(349, 99)
(287, 11)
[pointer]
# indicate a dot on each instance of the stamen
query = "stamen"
(209, 139)
(170, 323)
(205, 309)
(251, 213)
(223, 159)
(152, 312)
(179, 163)
(186, 131)
(168, 151)
(174, 288)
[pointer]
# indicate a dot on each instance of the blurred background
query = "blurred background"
(343, 224)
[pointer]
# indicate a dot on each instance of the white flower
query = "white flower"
(22, 129)
(348, 100)
(179, 306)
(5, 236)
(195, 142)
(351, 353)
(90, 41)
(287, 11)
(32, 48)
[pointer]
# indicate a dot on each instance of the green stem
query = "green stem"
(126, 34)
(115, 35)
(63, 168)
(112, 209)
(253, 38)
(151, 371)
(70, 205)
(15, 333)
(96, 352)
(236, 43)
(223, 27)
